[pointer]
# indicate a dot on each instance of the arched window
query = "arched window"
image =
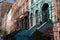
(45, 12)
(37, 21)
(32, 1)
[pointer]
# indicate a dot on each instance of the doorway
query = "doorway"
(45, 12)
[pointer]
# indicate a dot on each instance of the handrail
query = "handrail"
(42, 25)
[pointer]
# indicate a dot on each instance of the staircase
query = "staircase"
(43, 27)
(26, 34)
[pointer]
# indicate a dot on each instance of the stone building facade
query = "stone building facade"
(40, 12)
(37, 9)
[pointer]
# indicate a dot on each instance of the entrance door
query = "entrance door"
(26, 22)
(45, 12)
(26, 18)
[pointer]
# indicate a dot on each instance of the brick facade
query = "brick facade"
(5, 8)
(20, 15)
(56, 29)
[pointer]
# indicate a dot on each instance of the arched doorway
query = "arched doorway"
(45, 12)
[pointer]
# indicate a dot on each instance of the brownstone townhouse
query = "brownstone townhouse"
(20, 15)
(5, 7)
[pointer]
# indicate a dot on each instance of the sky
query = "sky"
(11, 1)
(8, 0)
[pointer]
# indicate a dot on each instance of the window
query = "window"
(45, 12)
(31, 19)
(37, 17)
(16, 14)
(22, 24)
(36, 5)
(32, 1)
(23, 8)
(26, 0)
(32, 10)
(17, 24)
